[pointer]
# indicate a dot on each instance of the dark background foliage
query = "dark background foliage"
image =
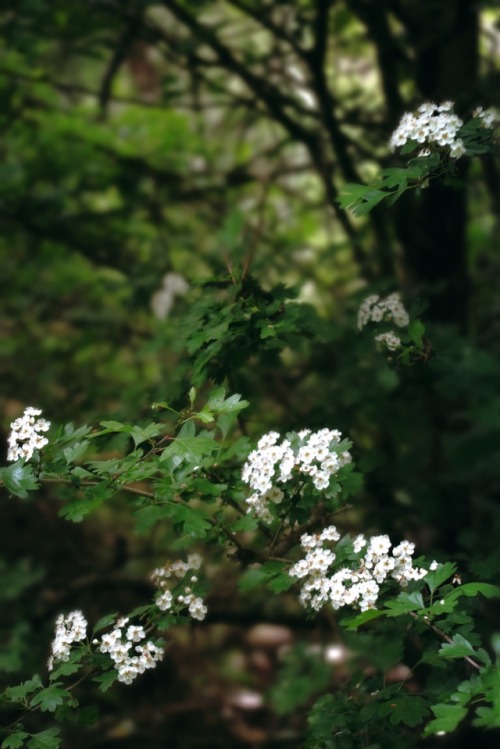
(211, 140)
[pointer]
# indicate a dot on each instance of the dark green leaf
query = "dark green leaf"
(416, 330)
(23, 690)
(15, 740)
(404, 603)
(106, 679)
(19, 479)
(366, 616)
(459, 648)
(104, 622)
(447, 718)
(48, 739)
(49, 698)
(76, 451)
(435, 578)
(403, 708)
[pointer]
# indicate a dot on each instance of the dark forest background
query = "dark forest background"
(152, 153)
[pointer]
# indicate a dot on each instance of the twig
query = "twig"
(445, 637)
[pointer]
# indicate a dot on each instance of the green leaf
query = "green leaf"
(76, 451)
(268, 331)
(366, 616)
(138, 434)
(206, 488)
(246, 523)
(190, 448)
(351, 483)
(328, 714)
(19, 693)
(48, 739)
(216, 398)
(19, 479)
(104, 622)
(403, 708)
(111, 426)
(49, 698)
(271, 573)
(447, 718)
(405, 603)
(106, 679)
(360, 199)
(15, 740)
(219, 404)
(88, 715)
(435, 578)
(145, 434)
(489, 717)
(191, 521)
(281, 582)
(205, 415)
(472, 589)
(443, 606)
(416, 330)
(459, 648)
(238, 449)
(66, 668)
(148, 516)
(140, 610)
(79, 508)
(301, 675)
(250, 579)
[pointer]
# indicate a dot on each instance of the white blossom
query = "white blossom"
(69, 629)
(488, 117)
(197, 609)
(26, 436)
(433, 124)
(130, 653)
(389, 309)
(437, 124)
(178, 575)
(313, 455)
(357, 585)
(390, 340)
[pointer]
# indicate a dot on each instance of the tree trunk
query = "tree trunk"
(432, 226)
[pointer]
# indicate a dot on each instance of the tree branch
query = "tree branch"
(125, 40)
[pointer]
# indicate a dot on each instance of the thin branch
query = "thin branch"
(277, 106)
(266, 22)
(125, 41)
(445, 637)
(75, 88)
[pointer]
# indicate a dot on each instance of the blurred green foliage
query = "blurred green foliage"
(211, 141)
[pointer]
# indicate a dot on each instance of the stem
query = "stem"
(87, 482)
(445, 637)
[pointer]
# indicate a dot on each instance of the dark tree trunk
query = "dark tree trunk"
(432, 227)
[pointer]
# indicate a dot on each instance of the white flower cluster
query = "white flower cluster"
(358, 586)
(25, 436)
(488, 117)
(433, 124)
(172, 571)
(126, 647)
(390, 309)
(388, 340)
(69, 629)
(315, 456)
